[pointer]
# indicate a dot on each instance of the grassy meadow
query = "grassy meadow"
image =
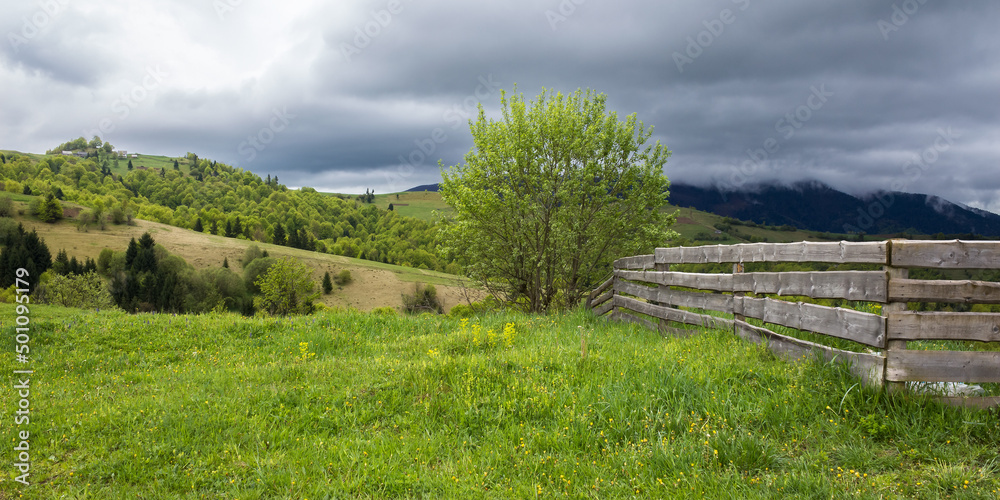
(345, 404)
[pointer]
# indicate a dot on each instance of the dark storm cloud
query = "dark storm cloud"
(372, 94)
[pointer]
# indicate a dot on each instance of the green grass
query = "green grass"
(352, 405)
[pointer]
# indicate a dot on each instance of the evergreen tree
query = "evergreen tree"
(176, 165)
(390, 207)
(61, 264)
(225, 262)
(59, 194)
(327, 283)
(229, 229)
(130, 165)
(27, 190)
(215, 227)
(279, 235)
(197, 225)
(163, 172)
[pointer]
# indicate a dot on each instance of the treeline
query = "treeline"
(220, 199)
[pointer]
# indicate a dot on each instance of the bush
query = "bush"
(384, 311)
(6, 205)
(343, 278)
(423, 299)
(86, 291)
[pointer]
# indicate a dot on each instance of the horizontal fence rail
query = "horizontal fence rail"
(645, 291)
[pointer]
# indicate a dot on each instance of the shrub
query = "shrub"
(6, 205)
(423, 299)
(384, 311)
(86, 291)
(343, 278)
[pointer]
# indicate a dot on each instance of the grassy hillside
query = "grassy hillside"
(694, 225)
(351, 405)
(375, 284)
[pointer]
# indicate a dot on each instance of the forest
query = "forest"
(216, 198)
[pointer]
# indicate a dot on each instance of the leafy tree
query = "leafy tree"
(6, 205)
(286, 288)
(50, 210)
(424, 299)
(327, 283)
(86, 291)
(550, 194)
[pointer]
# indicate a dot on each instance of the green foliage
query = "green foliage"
(85, 291)
(254, 270)
(216, 194)
(76, 144)
(551, 194)
(23, 250)
(252, 253)
(286, 289)
(423, 299)
(6, 205)
(327, 283)
(343, 278)
(47, 209)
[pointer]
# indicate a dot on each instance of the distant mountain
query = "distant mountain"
(426, 187)
(818, 207)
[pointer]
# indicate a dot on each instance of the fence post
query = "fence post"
(662, 289)
(737, 268)
(887, 310)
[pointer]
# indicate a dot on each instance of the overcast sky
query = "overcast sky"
(348, 95)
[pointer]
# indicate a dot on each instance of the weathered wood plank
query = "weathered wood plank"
(873, 252)
(637, 262)
(977, 403)
(603, 309)
(672, 314)
(602, 299)
(954, 254)
(604, 286)
(851, 285)
(943, 366)
(865, 328)
(702, 281)
(713, 301)
(629, 318)
(668, 330)
(870, 368)
(908, 325)
(965, 291)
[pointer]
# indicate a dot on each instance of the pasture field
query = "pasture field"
(375, 284)
(345, 404)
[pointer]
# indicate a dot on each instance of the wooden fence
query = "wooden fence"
(645, 285)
